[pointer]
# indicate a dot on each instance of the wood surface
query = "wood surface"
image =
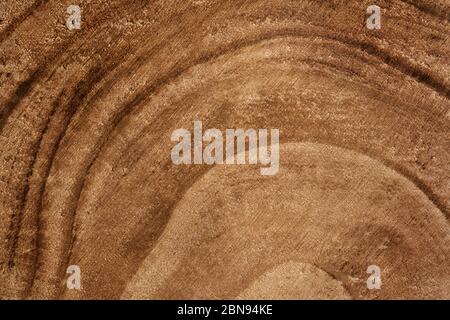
(86, 176)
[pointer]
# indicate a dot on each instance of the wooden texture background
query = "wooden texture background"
(86, 176)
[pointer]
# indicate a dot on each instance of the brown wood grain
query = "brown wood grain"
(86, 176)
